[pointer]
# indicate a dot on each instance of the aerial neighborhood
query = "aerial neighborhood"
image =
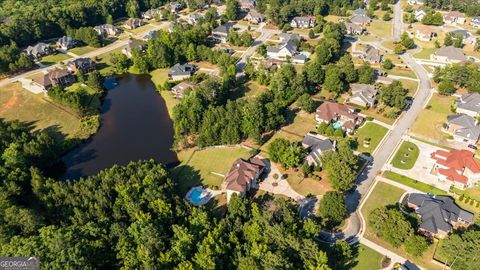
(240, 134)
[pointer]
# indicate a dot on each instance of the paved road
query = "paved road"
(397, 20)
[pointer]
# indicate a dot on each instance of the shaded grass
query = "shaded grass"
(371, 131)
(54, 58)
(409, 161)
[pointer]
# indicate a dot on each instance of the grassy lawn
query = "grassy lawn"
(367, 258)
(54, 58)
(82, 50)
(141, 29)
(373, 112)
(203, 163)
(306, 186)
(410, 85)
(425, 53)
(17, 103)
(383, 195)
(159, 76)
(431, 119)
(371, 131)
(248, 90)
(380, 29)
(413, 183)
(104, 63)
(406, 156)
(402, 71)
(473, 193)
(170, 101)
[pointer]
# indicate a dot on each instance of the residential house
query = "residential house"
(179, 89)
(303, 22)
(360, 12)
(360, 20)
(463, 127)
(176, 6)
(425, 33)
(39, 50)
(150, 35)
(220, 33)
(54, 77)
(300, 58)
(84, 64)
(439, 214)
(193, 19)
(316, 145)
(370, 54)
(419, 14)
(181, 71)
(66, 43)
(354, 29)
(363, 95)
(247, 5)
(285, 37)
(133, 44)
(133, 23)
(467, 37)
(152, 14)
(106, 30)
(475, 21)
(254, 17)
(339, 114)
(459, 167)
(243, 176)
(469, 104)
(454, 17)
(285, 51)
(449, 54)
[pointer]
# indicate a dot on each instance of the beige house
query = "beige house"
(449, 55)
(425, 33)
(363, 95)
(454, 17)
(179, 89)
(133, 23)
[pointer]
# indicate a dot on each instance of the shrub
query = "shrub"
(275, 176)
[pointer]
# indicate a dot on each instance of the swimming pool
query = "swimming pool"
(195, 196)
(337, 125)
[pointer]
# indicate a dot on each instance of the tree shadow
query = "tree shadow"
(185, 177)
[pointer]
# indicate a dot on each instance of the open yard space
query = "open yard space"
(383, 195)
(380, 29)
(410, 85)
(82, 50)
(207, 166)
(170, 101)
(248, 90)
(407, 181)
(429, 122)
(307, 186)
(54, 58)
(402, 71)
(159, 76)
(369, 136)
(406, 156)
(378, 115)
(104, 63)
(367, 258)
(425, 53)
(473, 192)
(141, 29)
(19, 104)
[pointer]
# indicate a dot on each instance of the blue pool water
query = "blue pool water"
(195, 196)
(337, 125)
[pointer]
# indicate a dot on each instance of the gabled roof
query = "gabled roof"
(317, 143)
(469, 129)
(183, 86)
(425, 30)
(470, 102)
(455, 161)
(454, 14)
(303, 20)
(452, 53)
(329, 110)
(224, 28)
(180, 70)
(242, 173)
(360, 19)
(65, 40)
(365, 92)
(461, 32)
(287, 36)
(360, 11)
(39, 48)
(438, 212)
(255, 14)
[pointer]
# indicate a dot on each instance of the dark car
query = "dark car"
(471, 146)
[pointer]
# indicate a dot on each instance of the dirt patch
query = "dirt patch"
(10, 103)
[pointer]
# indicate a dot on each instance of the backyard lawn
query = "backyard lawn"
(170, 101)
(402, 71)
(429, 122)
(54, 58)
(367, 259)
(473, 192)
(380, 29)
(371, 132)
(410, 85)
(104, 63)
(425, 53)
(82, 50)
(306, 186)
(413, 183)
(159, 76)
(19, 104)
(406, 156)
(204, 165)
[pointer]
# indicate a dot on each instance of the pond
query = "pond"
(134, 125)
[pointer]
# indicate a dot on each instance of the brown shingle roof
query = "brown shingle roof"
(242, 173)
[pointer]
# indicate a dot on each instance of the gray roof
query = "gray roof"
(365, 92)
(317, 145)
(360, 11)
(451, 53)
(461, 32)
(437, 212)
(287, 36)
(301, 57)
(303, 20)
(224, 28)
(359, 19)
(290, 45)
(133, 43)
(470, 102)
(181, 70)
(65, 41)
(371, 54)
(39, 48)
(469, 128)
(150, 35)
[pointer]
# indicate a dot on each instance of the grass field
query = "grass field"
(159, 76)
(413, 183)
(429, 122)
(104, 63)
(408, 153)
(19, 104)
(54, 58)
(82, 50)
(306, 186)
(402, 71)
(473, 193)
(140, 29)
(170, 101)
(371, 131)
(203, 164)
(380, 29)
(410, 85)
(425, 53)
(367, 259)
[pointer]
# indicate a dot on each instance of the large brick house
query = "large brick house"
(243, 175)
(459, 167)
(339, 114)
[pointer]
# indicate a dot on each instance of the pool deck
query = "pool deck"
(207, 194)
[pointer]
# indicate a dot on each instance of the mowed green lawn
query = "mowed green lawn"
(425, 53)
(82, 50)
(406, 156)
(367, 259)
(429, 122)
(370, 131)
(159, 76)
(19, 104)
(204, 165)
(409, 182)
(54, 58)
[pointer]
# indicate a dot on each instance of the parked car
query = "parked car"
(471, 146)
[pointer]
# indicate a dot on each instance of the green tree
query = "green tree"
(446, 88)
(95, 80)
(231, 10)
(416, 245)
(120, 62)
(345, 63)
(333, 82)
(332, 208)
(307, 103)
(390, 225)
(388, 64)
(366, 74)
(407, 41)
(133, 8)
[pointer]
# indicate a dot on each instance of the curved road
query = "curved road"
(366, 179)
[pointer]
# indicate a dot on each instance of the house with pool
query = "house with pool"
(243, 176)
(341, 115)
